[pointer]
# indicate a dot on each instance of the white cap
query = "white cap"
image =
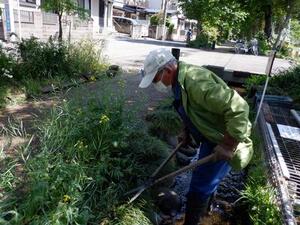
(153, 62)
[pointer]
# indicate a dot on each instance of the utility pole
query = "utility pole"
(165, 20)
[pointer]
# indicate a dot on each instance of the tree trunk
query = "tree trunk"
(60, 33)
(268, 21)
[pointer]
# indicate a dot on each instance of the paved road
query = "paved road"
(130, 54)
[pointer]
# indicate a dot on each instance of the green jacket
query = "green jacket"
(214, 108)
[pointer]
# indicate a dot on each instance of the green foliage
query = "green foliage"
(7, 64)
(283, 83)
(87, 158)
(261, 200)
(128, 215)
(295, 31)
(86, 57)
(42, 60)
(156, 19)
(164, 120)
(223, 15)
(241, 19)
(259, 196)
(38, 64)
(205, 39)
(61, 7)
(171, 28)
(264, 46)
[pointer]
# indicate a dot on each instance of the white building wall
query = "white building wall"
(155, 4)
(37, 28)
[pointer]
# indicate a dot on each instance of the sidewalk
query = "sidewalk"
(130, 54)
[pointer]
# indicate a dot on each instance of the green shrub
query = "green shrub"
(43, 60)
(155, 20)
(86, 57)
(88, 158)
(259, 196)
(285, 50)
(201, 41)
(164, 121)
(7, 64)
(264, 46)
(261, 200)
(283, 83)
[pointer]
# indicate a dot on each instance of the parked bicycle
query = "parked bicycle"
(246, 47)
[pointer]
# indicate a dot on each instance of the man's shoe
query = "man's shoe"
(195, 209)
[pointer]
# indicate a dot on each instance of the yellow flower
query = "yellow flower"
(93, 78)
(104, 119)
(80, 145)
(66, 199)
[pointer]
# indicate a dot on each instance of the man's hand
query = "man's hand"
(225, 150)
(222, 153)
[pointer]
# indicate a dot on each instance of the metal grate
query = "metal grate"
(290, 150)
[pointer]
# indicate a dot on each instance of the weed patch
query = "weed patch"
(164, 120)
(36, 64)
(88, 157)
(258, 195)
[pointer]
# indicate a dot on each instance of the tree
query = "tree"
(61, 7)
(222, 14)
(295, 31)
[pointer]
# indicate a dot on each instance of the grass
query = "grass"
(89, 155)
(258, 195)
(164, 120)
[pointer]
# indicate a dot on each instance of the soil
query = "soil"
(212, 219)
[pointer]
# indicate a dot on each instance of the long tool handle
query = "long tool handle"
(153, 175)
(166, 160)
(192, 166)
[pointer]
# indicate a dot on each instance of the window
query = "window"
(49, 18)
(28, 1)
(26, 16)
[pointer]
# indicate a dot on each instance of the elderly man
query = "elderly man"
(214, 115)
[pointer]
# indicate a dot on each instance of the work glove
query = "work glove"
(184, 137)
(225, 150)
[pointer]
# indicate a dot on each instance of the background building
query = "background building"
(35, 22)
(142, 10)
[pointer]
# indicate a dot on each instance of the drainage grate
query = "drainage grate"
(288, 151)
